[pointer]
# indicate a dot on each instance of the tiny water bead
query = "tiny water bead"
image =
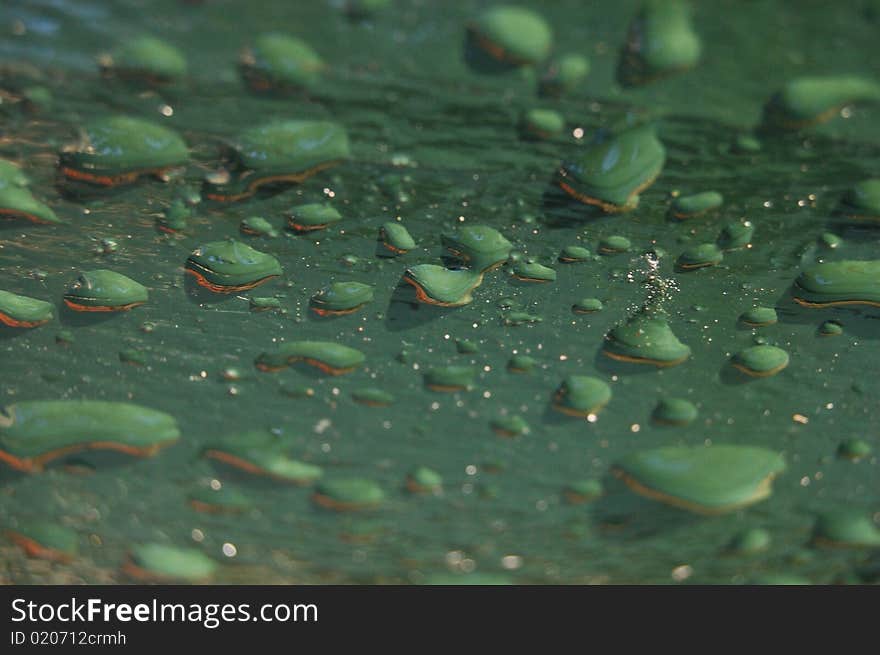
(760, 361)
(396, 238)
(830, 329)
(278, 62)
(480, 247)
(807, 101)
(119, 150)
(854, 450)
(846, 529)
(19, 203)
(699, 256)
(340, 298)
(466, 347)
(661, 41)
(574, 254)
(330, 357)
(278, 152)
(674, 412)
(521, 318)
(614, 169)
(263, 304)
(163, 563)
(372, 397)
(348, 494)
(450, 378)
(847, 282)
(312, 216)
(511, 425)
(521, 364)
(759, 317)
(614, 245)
(511, 35)
(24, 312)
(829, 240)
(645, 339)
(424, 480)
(581, 396)
(12, 175)
(542, 124)
(174, 219)
(746, 144)
(736, 235)
(703, 479)
(583, 491)
(133, 357)
(146, 59)
(259, 452)
(223, 500)
(33, 433)
(696, 205)
(750, 541)
(527, 270)
(436, 285)
(103, 290)
(587, 306)
(231, 266)
(564, 74)
(257, 226)
(862, 201)
(46, 540)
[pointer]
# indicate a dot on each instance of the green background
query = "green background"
(414, 110)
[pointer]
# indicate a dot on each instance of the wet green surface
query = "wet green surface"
(438, 145)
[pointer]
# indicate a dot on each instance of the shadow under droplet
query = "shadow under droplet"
(73, 318)
(862, 321)
(406, 312)
(621, 514)
(7, 332)
(732, 376)
(611, 366)
(479, 61)
(561, 210)
(199, 295)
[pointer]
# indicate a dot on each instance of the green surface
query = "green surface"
(437, 144)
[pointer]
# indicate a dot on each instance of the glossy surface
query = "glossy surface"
(154, 562)
(480, 247)
(280, 152)
(760, 361)
(839, 283)
(661, 41)
(331, 358)
(103, 290)
(435, 145)
(341, 298)
(807, 101)
(33, 433)
(707, 480)
(146, 58)
(614, 169)
(280, 62)
(23, 312)
(645, 339)
(436, 285)
(512, 34)
(120, 149)
(312, 216)
(696, 204)
(581, 396)
(262, 453)
(231, 266)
